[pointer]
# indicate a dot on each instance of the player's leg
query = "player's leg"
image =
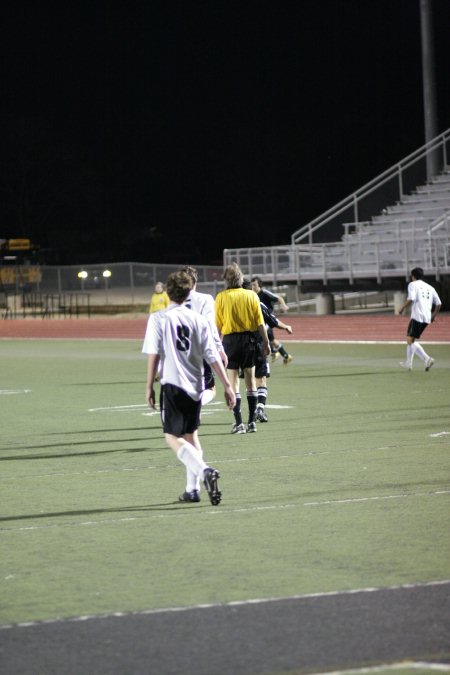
(181, 417)
(278, 348)
(238, 427)
(261, 384)
(232, 348)
(252, 397)
(262, 372)
(419, 350)
(410, 338)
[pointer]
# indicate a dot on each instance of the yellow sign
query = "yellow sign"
(19, 244)
(23, 275)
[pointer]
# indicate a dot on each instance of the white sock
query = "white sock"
(419, 350)
(410, 353)
(191, 458)
(193, 481)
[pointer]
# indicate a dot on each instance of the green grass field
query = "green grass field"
(347, 487)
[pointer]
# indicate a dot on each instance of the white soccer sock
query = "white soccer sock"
(193, 479)
(410, 353)
(419, 350)
(191, 458)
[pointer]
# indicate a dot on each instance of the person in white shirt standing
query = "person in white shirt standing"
(425, 304)
(179, 340)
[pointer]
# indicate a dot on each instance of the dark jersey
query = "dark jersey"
(268, 298)
(269, 318)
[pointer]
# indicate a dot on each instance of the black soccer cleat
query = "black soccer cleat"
(189, 497)
(210, 478)
(261, 415)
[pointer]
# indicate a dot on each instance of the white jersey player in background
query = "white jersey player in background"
(180, 341)
(425, 304)
(203, 304)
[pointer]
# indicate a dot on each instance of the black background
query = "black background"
(158, 131)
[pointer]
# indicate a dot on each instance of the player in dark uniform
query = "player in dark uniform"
(262, 367)
(269, 299)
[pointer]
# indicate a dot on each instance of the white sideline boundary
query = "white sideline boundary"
(233, 603)
(386, 667)
(362, 342)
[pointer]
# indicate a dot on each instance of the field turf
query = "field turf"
(346, 487)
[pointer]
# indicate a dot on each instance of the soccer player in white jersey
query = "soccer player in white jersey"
(203, 303)
(180, 340)
(425, 304)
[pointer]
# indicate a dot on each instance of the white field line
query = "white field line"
(361, 342)
(236, 603)
(387, 667)
(139, 406)
(136, 406)
(213, 512)
(9, 392)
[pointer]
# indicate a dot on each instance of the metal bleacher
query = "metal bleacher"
(379, 242)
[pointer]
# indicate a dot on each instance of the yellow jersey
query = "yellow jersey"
(158, 302)
(238, 310)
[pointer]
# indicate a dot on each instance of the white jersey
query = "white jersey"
(203, 304)
(423, 297)
(182, 339)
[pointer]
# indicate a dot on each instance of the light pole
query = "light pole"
(106, 275)
(429, 84)
(82, 275)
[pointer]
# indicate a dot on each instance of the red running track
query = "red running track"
(379, 327)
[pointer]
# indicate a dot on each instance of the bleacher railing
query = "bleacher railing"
(365, 251)
(387, 187)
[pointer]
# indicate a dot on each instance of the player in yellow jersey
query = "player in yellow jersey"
(159, 300)
(239, 318)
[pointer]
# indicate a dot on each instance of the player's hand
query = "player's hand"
(230, 397)
(151, 398)
(288, 329)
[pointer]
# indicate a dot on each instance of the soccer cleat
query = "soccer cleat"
(428, 363)
(275, 356)
(287, 359)
(238, 429)
(189, 497)
(251, 428)
(261, 415)
(406, 365)
(210, 478)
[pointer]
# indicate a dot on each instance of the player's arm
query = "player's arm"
(406, 304)
(282, 303)
(285, 326)
(152, 367)
(436, 309)
(210, 315)
(273, 321)
(265, 340)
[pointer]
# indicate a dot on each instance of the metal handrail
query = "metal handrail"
(397, 169)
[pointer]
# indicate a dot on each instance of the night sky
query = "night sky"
(165, 132)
